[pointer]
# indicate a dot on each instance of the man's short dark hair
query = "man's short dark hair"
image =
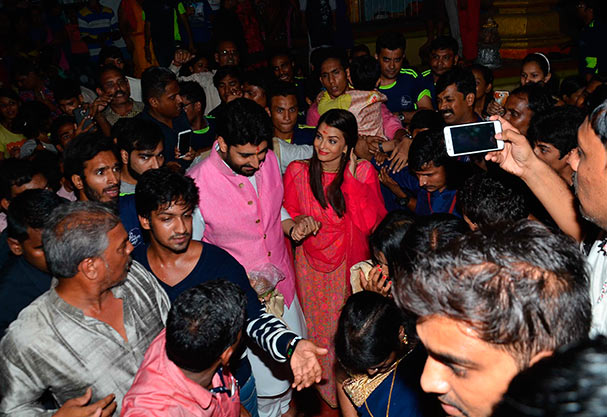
(60, 121)
(461, 77)
(444, 42)
(158, 188)
(280, 88)
(136, 134)
(203, 322)
(518, 286)
(82, 149)
(428, 234)
(364, 72)
(386, 238)
(107, 52)
(258, 78)
(154, 81)
(279, 52)
(225, 71)
(103, 70)
(572, 382)
(32, 209)
(33, 119)
(539, 98)
(15, 172)
(66, 89)
(428, 147)
(194, 93)
(360, 48)
(486, 71)
(571, 84)
(426, 119)
(557, 126)
(391, 41)
(244, 121)
(484, 199)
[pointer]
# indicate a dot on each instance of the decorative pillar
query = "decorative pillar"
(353, 6)
(527, 26)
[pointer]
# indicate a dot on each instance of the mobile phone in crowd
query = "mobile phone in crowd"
(500, 96)
(473, 138)
(184, 141)
(80, 113)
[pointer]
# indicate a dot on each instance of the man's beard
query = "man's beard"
(135, 175)
(579, 204)
(238, 168)
(93, 195)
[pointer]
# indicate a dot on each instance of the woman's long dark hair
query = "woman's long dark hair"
(345, 122)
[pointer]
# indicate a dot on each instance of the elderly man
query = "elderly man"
(491, 305)
(89, 331)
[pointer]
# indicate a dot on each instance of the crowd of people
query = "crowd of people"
(194, 226)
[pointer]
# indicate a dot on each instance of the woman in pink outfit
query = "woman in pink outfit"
(342, 194)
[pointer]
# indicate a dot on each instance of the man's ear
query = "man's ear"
(539, 356)
(145, 222)
(77, 181)
(470, 99)
(223, 146)
(227, 354)
(153, 102)
(198, 107)
(456, 60)
(268, 111)
(99, 91)
(489, 88)
(348, 76)
(15, 246)
(124, 155)
(89, 268)
(5, 202)
(216, 57)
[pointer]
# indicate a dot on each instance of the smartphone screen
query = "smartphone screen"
(184, 141)
(473, 138)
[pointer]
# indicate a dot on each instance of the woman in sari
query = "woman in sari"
(376, 347)
(342, 194)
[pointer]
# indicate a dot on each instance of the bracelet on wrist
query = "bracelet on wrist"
(291, 346)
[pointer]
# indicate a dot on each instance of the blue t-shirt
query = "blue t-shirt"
(303, 135)
(216, 263)
(21, 284)
(404, 93)
(427, 82)
(204, 138)
(427, 203)
(130, 221)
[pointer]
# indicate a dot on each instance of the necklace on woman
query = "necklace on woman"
(389, 396)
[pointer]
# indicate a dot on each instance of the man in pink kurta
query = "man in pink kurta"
(241, 195)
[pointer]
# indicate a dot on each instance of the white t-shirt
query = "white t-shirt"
(597, 261)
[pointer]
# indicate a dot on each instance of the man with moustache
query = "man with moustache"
(443, 57)
(113, 84)
(91, 163)
(90, 331)
(491, 304)
(165, 201)
(456, 92)
(241, 180)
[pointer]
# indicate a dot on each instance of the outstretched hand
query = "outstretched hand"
(305, 366)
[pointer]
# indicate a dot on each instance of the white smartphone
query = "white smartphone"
(472, 138)
(184, 141)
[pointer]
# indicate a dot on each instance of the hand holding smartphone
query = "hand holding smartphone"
(473, 138)
(184, 141)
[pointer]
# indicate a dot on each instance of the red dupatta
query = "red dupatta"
(338, 239)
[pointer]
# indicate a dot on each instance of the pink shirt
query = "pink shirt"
(161, 389)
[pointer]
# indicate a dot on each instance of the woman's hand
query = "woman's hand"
(304, 227)
(376, 281)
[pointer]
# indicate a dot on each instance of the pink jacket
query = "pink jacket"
(237, 220)
(161, 389)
